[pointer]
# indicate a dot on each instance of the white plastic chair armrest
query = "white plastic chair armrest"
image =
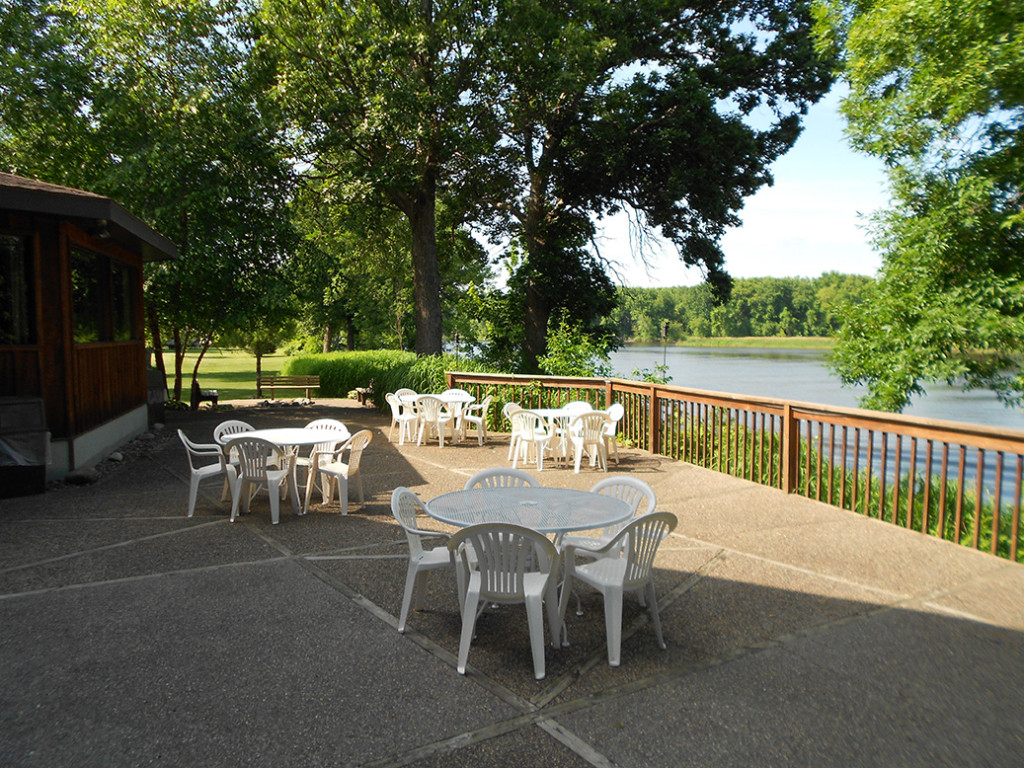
(433, 534)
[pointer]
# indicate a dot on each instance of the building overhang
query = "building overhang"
(99, 216)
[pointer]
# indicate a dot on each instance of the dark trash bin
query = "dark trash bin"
(24, 446)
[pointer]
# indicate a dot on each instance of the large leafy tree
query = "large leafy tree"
(378, 94)
(353, 272)
(673, 111)
(936, 91)
(161, 105)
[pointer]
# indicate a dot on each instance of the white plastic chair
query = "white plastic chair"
(576, 407)
(642, 501)
(458, 409)
(635, 492)
(402, 415)
(336, 472)
(615, 413)
(327, 424)
(511, 564)
(500, 477)
(197, 453)
(226, 429)
(588, 431)
(433, 414)
(507, 411)
(404, 505)
(324, 448)
(630, 571)
(405, 392)
(258, 466)
(530, 434)
(570, 411)
(475, 414)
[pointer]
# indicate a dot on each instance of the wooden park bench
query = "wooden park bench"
(199, 395)
(362, 394)
(288, 382)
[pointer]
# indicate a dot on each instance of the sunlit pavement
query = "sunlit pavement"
(797, 634)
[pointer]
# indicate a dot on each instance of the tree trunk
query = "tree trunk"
(536, 307)
(179, 357)
(155, 338)
(199, 359)
(350, 333)
(327, 339)
(535, 326)
(259, 373)
(398, 314)
(426, 274)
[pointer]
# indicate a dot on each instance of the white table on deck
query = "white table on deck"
(557, 418)
(448, 398)
(297, 437)
(542, 508)
(291, 439)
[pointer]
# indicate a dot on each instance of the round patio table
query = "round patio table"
(297, 437)
(544, 509)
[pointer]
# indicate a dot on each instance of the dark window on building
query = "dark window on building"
(103, 298)
(87, 297)
(17, 291)
(122, 282)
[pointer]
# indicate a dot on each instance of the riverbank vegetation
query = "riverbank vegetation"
(764, 307)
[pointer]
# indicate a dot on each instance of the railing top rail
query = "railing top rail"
(475, 377)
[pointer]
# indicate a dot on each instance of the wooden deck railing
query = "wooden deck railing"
(958, 481)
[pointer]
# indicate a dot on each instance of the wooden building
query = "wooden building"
(71, 316)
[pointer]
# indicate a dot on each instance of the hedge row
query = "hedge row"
(381, 371)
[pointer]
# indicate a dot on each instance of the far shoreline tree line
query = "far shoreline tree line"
(757, 306)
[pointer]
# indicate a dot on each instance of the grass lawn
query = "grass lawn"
(231, 372)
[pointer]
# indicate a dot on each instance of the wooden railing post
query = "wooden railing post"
(790, 449)
(654, 423)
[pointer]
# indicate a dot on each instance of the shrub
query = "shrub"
(381, 371)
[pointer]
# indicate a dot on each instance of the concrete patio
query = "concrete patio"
(798, 635)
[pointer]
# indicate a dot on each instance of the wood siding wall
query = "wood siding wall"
(82, 385)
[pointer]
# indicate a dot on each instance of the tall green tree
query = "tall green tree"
(353, 272)
(936, 91)
(671, 110)
(377, 92)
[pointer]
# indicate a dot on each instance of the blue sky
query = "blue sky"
(812, 220)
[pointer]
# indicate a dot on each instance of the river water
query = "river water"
(799, 374)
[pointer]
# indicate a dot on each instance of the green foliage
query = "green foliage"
(659, 375)
(382, 97)
(382, 371)
(160, 105)
(647, 106)
(935, 91)
(571, 352)
(759, 306)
